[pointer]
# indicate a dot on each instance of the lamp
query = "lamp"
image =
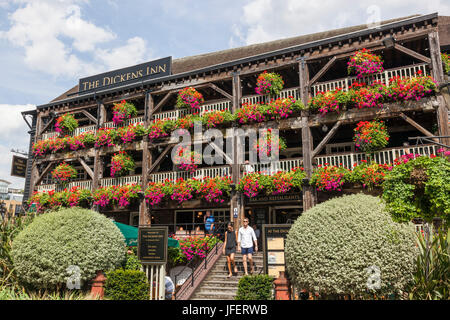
(389, 42)
(53, 114)
(324, 128)
(141, 195)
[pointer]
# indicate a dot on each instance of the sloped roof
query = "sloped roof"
(196, 62)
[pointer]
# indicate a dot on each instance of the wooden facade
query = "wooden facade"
(312, 139)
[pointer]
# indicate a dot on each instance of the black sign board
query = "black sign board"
(149, 70)
(152, 245)
(274, 236)
(19, 166)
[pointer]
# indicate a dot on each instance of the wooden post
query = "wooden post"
(98, 162)
(307, 141)
(144, 215)
(438, 74)
(236, 199)
(34, 170)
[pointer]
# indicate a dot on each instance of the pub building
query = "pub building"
(308, 65)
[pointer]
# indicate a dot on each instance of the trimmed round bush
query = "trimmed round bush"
(54, 241)
(338, 246)
(255, 287)
(127, 285)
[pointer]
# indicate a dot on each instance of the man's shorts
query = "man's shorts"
(247, 250)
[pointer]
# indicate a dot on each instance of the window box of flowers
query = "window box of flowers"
(159, 129)
(117, 196)
(63, 173)
(121, 164)
(364, 63)
(122, 111)
(190, 98)
(329, 178)
(269, 84)
(66, 124)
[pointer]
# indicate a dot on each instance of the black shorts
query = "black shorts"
(229, 251)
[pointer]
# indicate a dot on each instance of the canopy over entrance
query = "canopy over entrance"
(131, 235)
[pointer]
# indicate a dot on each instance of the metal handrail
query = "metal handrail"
(189, 283)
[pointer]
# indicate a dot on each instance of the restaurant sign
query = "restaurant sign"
(152, 245)
(19, 166)
(282, 197)
(135, 74)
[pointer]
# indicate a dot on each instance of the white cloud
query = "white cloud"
(129, 54)
(59, 41)
(266, 20)
(14, 134)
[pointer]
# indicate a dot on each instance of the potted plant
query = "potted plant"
(63, 173)
(123, 110)
(121, 164)
(371, 136)
(269, 83)
(190, 98)
(364, 63)
(66, 124)
(187, 160)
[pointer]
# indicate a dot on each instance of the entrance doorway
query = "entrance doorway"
(285, 215)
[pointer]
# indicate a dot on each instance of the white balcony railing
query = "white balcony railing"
(273, 167)
(198, 174)
(386, 156)
(176, 114)
(286, 93)
(75, 132)
(345, 83)
(125, 123)
(83, 184)
(120, 181)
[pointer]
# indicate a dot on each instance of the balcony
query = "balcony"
(126, 123)
(223, 105)
(198, 174)
(286, 93)
(386, 156)
(274, 167)
(344, 83)
(76, 132)
(82, 184)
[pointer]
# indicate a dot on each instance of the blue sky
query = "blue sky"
(47, 45)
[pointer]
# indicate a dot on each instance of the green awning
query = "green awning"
(131, 235)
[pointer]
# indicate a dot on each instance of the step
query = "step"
(213, 295)
(216, 289)
(231, 282)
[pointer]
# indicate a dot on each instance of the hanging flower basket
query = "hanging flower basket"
(190, 98)
(122, 111)
(63, 173)
(264, 145)
(121, 164)
(269, 83)
(371, 136)
(187, 161)
(66, 124)
(364, 63)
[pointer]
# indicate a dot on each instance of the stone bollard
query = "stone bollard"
(282, 291)
(98, 282)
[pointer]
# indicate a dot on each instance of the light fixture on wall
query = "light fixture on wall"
(389, 42)
(324, 128)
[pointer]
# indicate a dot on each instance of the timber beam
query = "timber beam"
(327, 138)
(412, 53)
(43, 174)
(159, 159)
(86, 167)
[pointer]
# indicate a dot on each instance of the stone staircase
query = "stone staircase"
(216, 285)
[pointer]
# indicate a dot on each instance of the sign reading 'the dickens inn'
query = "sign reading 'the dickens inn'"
(149, 70)
(152, 245)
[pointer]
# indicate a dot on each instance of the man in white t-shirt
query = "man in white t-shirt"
(246, 239)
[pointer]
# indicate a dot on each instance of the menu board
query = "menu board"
(152, 246)
(274, 236)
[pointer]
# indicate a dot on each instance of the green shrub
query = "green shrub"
(69, 237)
(126, 285)
(331, 247)
(175, 257)
(132, 262)
(419, 188)
(432, 276)
(257, 287)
